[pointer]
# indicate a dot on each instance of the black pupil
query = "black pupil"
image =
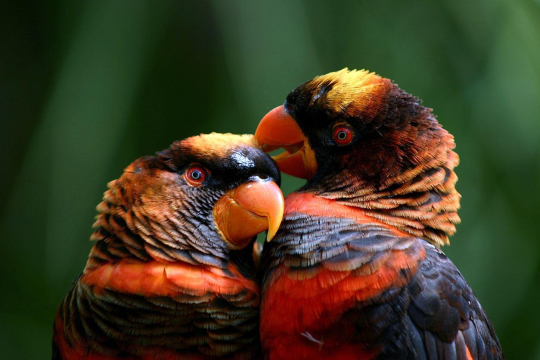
(342, 135)
(196, 174)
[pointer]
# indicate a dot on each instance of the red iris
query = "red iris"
(343, 135)
(195, 175)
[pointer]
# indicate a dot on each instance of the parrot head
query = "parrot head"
(212, 193)
(361, 140)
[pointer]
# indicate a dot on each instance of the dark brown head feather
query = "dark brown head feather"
(150, 212)
(400, 164)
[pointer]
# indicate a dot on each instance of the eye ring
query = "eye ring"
(195, 175)
(343, 135)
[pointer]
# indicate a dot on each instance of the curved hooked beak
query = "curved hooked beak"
(277, 130)
(248, 210)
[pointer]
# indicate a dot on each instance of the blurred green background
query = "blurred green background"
(88, 86)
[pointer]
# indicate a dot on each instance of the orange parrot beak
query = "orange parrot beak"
(277, 130)
(248, 210)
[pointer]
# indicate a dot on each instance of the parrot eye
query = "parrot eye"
(343, 135)
(195, 175)
(288, 107)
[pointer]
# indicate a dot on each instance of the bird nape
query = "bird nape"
(356, 267)
(171, 275)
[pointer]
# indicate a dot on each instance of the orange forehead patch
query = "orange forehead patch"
(354, 92)
(215, 144)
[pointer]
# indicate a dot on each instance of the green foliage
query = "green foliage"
(88, 86)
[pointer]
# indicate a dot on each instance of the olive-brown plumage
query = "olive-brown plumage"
(355, 266)
(171, 275)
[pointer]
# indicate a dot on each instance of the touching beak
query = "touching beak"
(277, 130)
(248, 210)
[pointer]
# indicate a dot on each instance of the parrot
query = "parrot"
(355, 270)
(171, 274)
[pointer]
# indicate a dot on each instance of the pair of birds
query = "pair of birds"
(353, 269)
